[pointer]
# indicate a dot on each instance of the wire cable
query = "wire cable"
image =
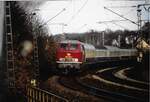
(125, 0)
(119, 25)
(53, 17)
(120, 15)
(78, 11)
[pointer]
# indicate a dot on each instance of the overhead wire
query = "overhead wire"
(56, 14)
(107, 25)
(120, 15)
(53, 17)
(119, 25)
(113, 22)
(121, 6)
(78, 11)
(134, 6)
(125, 0)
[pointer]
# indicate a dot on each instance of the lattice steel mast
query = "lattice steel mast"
(36, 58)
(9, 46)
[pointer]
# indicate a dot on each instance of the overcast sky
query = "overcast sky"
(84, 15)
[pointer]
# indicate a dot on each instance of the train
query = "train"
(72, 54)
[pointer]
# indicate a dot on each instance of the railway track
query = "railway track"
(100, 90)
(121, 75)
(55, 86)
(76, 84)
(114, 96)
(132, 88)
(109, 74)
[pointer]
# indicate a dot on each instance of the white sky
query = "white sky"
(87, 17)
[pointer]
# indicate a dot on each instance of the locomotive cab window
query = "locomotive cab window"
(64, 46)
(73, 46)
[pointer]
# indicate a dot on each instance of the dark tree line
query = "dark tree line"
(127, 38)
(109, 36)
(24, 26)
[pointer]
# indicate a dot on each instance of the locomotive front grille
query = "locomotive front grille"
(68, 59)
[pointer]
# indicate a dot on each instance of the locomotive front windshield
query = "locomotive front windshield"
(73, 47)
(64, 46)
(69, 46)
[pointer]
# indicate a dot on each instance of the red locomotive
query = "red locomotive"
(70, 54)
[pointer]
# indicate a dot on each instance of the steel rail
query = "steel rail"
(102, 93)
(116, 97)
(120, 74)
(110, 79)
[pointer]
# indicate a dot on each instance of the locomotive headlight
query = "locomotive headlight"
(76, 60)
(61, 59)
(68, 54)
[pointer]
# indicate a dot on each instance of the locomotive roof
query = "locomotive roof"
(70, 41)
(87, 46)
